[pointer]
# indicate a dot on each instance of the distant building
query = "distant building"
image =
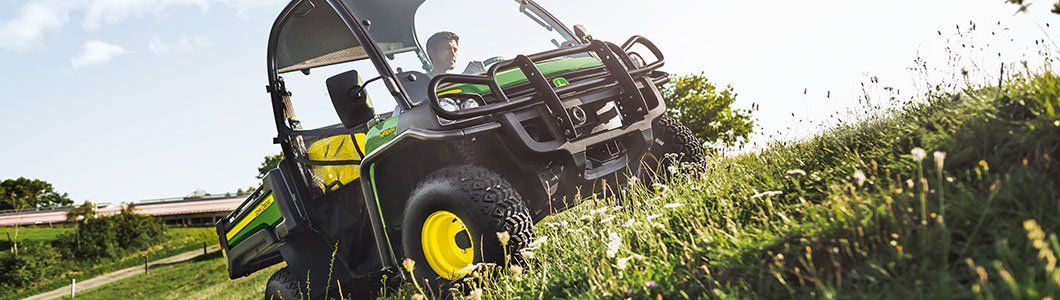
(198, 208)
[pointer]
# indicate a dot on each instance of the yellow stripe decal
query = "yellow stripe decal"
(250, 217)
(450, 92)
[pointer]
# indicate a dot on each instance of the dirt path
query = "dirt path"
(120, 274)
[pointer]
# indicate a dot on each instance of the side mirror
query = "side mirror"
(582, 33)
(350, 101)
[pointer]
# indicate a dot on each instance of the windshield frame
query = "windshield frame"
(380, 60)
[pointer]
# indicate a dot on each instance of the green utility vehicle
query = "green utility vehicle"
(439, 164)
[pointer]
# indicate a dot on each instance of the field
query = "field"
(177, 240)
(203, 278)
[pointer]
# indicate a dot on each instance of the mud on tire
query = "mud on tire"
(484, 201)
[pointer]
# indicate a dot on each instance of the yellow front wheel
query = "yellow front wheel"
(452, 220)
(447, 244)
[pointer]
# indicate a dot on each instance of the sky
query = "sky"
(123, 100)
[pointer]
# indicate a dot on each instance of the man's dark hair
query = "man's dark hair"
(441, 38)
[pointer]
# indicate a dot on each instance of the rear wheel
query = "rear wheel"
(452, 221)
(674, 143)
(282, 286)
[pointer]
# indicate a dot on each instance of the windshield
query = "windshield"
(424, 38)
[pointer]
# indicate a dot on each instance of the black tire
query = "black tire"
(673, 143)
(485, 202)
(282, 286)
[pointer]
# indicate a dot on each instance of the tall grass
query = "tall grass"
(958, 197)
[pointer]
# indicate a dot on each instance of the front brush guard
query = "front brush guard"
(616, 61)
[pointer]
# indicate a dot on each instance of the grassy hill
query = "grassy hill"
(958, 197)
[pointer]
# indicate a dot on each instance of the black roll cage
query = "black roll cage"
(278, 91)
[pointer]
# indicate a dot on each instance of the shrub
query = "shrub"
(111, 236)
(35, 260)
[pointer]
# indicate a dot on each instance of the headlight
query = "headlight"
(469, 104)
(448, 104)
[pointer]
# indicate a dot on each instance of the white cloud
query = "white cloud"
(96, 52)
(161, 47)
(34, 19)
(101, 12)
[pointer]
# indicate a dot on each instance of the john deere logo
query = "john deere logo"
(387, 132)
(560, 82)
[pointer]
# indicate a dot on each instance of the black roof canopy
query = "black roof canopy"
(314, 35)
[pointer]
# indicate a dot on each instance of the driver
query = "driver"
(441, 49)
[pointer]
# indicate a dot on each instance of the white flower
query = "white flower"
(672, 205)
(613, 243)
(918, 154)
(503, 237)
(516, 269)
(622, 263)
(607, 219)
(629, 222)
(766, 194)
(538, 241)
(940, 157)
(476, 294)
(654, 216)
(672, 169)
(797, 172)
(860, 177)
(909, 183)
(419, 296)
(527, 253)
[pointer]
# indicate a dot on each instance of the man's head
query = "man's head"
(441, 48)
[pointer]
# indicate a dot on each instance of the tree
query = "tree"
(25, 193)
(707, 111)
(270, 163)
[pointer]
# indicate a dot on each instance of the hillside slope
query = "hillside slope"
(956, 197)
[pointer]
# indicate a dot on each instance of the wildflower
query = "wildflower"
(1056, 123)
(410, 265)
(538, 242)
(504, 237)
(939, 158)
(419, 296)
(653, 217)
(672, 205)
(466, 270)
(672, 169)
(622, 263)
(651, 284)
(613, 243)
(860, 177)
(909, 183)
(950, 179)
(527, 253)
(797, 172)
(984, 165)
(659, 186)
(516, 269)
(476, 294)
(765, 194)
(918, 154)
(607, 219)
(629, 223)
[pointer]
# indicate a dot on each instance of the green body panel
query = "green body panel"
(515, 77)
(268, 217)
(381, 133)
